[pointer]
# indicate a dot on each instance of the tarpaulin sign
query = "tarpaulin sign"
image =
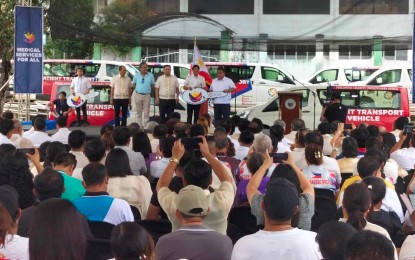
(28, 50)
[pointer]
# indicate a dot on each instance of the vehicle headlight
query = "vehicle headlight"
(243, 113)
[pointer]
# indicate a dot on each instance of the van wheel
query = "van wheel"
(367, 102)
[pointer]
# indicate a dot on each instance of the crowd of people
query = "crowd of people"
(237, 193)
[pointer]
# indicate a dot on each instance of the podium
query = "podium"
(290, 107)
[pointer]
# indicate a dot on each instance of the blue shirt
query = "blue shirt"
(100, 207)
(143, 84)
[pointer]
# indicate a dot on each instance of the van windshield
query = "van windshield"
(102, 98)
(367, 99)
(65, 69)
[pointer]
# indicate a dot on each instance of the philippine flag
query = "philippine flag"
(203, 71)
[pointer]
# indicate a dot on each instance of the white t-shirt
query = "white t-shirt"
(220, 86)
(38, 138)
(61, 135)
(15, 248)
(408, 249)
(295, 244)
(5, 140)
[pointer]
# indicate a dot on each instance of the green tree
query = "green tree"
(69, 23)
(118, 19)
(6, 44)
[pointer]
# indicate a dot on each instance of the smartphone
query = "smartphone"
(27, 150)
(191, 143)
(347, 126)
(407, 129)
(279, 157)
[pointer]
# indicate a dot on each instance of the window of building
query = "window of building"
(398, 52)
(291, 52)
(161, 53)
(221, 7)
(296, 7)
(374, 6)
(355, 52)
(164, 6)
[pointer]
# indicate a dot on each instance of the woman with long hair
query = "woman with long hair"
(122, 184)
(389, 220)
(15, 171)
(56, 232)
(356, 204)
(141, 143)
(321, 177)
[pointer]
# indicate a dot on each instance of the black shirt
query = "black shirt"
(60, 106)
(335, 112)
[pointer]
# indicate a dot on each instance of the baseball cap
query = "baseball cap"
(10, 200)
(192, 201)
(281, 199)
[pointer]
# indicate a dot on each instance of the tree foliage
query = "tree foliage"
(6, 43)
(69, 23)
(118, 19)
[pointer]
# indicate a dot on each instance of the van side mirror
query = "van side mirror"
(280, 78)
(379, 80)
(319, 79)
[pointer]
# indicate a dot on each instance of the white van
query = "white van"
(391, 76)
(256, 83)
(339, 75)
(379, 105)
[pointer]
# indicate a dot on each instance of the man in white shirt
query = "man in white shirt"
(120, 95)
(122, 140)
(222, 105)
(76, 141)
(279, 205)
(296, 124)
(15, 246)
(246, 138)
(17, 138)
(63, 132)
(405, 157)
(81, 85)
(39, 136)
(194, 81)
(167, 94)
(6, 130)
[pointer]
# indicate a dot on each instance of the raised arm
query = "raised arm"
(398, 145)
(216, 165)
(305, 184)
(165, 179)
(255, 181)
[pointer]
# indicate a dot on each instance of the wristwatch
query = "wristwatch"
(172, 159)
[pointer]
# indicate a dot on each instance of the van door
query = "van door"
(270, 82)
(326, 76)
